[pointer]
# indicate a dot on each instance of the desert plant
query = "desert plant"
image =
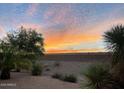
(118, 74)
(27, 40)
(22, 44)
(98, 77)
(7, 54)
(70, 78)
(45, 65)
(37, 69)
(115, 43)
(23, 64)
(47, 69)
(56, 64)
(57, 76)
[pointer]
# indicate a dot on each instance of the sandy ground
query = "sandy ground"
(75, 68)
(22, 80)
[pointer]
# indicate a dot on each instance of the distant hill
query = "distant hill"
(97, 56)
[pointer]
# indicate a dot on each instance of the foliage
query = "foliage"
(23, 60)
(37, 69)
(56, 64)
(47, 69)
(7, 53)
(70, 78)
(115, 42)
(99, 77)
(118, 74)
(57, 76)
(18, 48)
(25, 64)
(27, 40)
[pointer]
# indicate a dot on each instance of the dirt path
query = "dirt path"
(25, 80)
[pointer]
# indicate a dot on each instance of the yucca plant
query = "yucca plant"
(98, 77)
(115, 43)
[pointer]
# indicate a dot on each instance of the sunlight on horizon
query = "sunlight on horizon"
(66, 28)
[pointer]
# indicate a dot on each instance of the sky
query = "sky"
(65, 27)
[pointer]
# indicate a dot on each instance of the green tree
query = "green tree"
(19, 46)
(27, 40)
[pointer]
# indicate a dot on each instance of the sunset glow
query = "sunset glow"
(66, 28)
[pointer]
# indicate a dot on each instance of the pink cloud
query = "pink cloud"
(61, 38)
(61, 14)
(32, 9)
(2, 32)
(39, 28)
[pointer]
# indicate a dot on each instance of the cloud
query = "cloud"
(64, 14)
(32, 9)
(66, 38)
(59, 40)
(75, 51)
(2, 32)
(66, 28)
(37, 27)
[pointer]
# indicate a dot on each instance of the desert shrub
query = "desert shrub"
(37, 69)
(23, 64)
(0, 65)
(69, 78)
(56, 64)
(45, 65)
(98, 77)
(114, 39)
(118, 74)
(47, 69)
(57, 76)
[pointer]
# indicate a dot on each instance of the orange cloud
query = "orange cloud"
(57, 40)
(75, 51)
(60, 39)
(70, 33)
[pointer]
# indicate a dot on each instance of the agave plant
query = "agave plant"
(115, 43)
(98, 77)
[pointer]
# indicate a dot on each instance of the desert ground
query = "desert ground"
(56, 63)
